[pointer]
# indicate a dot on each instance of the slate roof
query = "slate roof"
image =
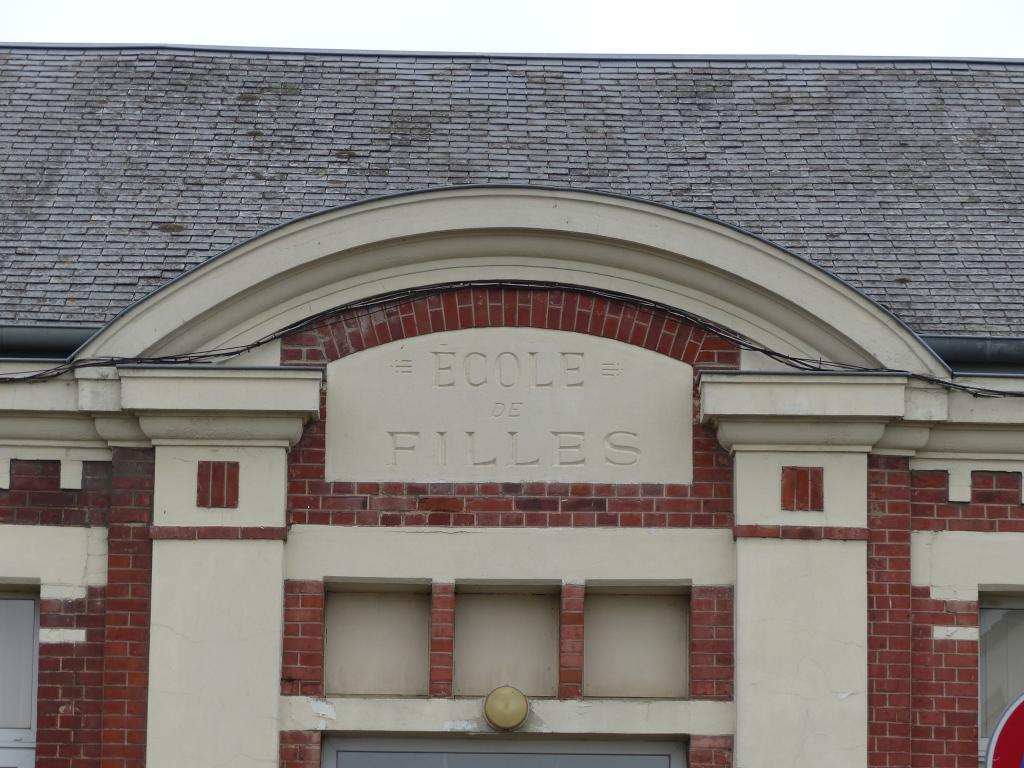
(121, 168)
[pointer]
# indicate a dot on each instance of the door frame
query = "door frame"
(332, 744)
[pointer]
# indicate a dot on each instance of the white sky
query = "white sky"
(969, 28)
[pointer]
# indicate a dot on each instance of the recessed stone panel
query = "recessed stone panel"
(509, 404)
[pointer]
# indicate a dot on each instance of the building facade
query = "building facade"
(307, 504)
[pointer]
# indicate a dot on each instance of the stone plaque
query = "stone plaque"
(509, 405)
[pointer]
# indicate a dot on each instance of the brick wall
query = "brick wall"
(889, 612)
(70, 689)
(704, 503)
(570, 641)
(92, 688)
(300, 749)
(35, 496)
(442, 639)
(302, 669)
(712, 661)
(126, 639)
(70, 692)
(994, 506)
(923, 687)
(710, 752)
(944, 730)
(945, 726)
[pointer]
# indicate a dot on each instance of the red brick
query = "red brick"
(442, 633)
(571, 630)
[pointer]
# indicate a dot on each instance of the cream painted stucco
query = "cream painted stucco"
(598, 717)
(215, 654)
(957, 565)
(509, 405)
(262, 481)
(758, 488)
(57, 395)
(61, 635)
(57, 557)
(801, 654)
(377, 643)
(506, 639)
(507, 555)
(955, 633)
(635, 645)
(182, 389)
(819, 396)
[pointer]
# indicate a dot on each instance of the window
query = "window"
(1001, 678)
(19, 620)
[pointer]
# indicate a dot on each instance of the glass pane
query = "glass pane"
(17, 653)
(1002, 663)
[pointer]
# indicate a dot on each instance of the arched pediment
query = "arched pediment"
(467, 234)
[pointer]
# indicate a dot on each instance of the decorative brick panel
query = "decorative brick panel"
(302, 665)
(70, 691)
(710, 752)
(218, 532)
(300, 749)
(704, 503)
(801, 532)
(712, 661)
(217, 484)
(570, 642)
(126, 637)
(35, 496)
(994, 506)
(803, 489)
(442, 639)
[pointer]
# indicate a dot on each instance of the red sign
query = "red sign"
(1006, 748)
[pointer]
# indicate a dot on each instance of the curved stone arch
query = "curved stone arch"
(468, 234)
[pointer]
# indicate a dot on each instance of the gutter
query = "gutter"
(979, 354)
(42, 342)
(964, 354)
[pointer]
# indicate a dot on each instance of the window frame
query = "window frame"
(1012, 602)
(25, 738)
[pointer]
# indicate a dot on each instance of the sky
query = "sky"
(933, 28)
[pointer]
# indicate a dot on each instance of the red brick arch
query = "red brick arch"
(706, 502)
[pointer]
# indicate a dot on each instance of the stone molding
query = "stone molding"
(889, 414)
(497, 233)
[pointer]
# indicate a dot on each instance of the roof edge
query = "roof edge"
(806, 58)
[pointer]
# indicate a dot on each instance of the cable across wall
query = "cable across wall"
(365, 307)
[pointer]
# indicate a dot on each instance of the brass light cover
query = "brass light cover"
(506, 708)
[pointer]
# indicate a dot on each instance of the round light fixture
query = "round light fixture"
(506, 708)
